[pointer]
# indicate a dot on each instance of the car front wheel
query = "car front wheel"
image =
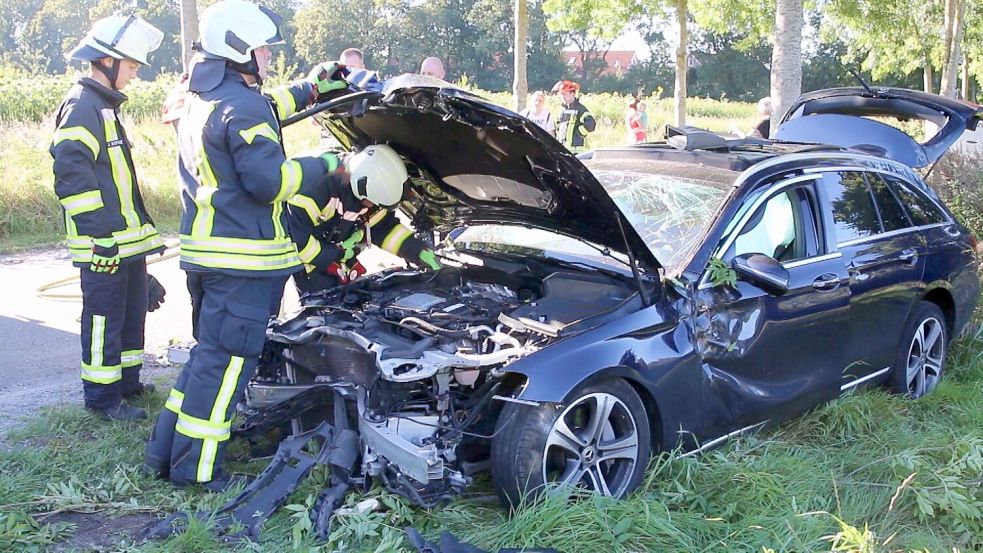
(597, 440)
(921, 359)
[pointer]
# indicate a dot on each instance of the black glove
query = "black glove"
(155, 294)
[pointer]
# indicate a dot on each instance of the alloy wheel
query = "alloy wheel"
(594, 445)
(925, 356)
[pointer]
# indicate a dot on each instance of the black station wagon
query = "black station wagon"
(592, 312)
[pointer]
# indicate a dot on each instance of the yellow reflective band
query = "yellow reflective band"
(97, 340)
(131, 241)
(284, 102)
(201, 429)
(230, 380)
(247, 263)
(263, 129)
(175, 400)
(236, 245)
(310, 251)
(308, 205)
(374, 220)
(277, 215)
(205, 213)
(122, 177)
(84, 202)
(291, 175)
(101, 374)
(131, 358)
(394, 240)
(80, 134)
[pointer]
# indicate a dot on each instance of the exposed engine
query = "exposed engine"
(423, 356)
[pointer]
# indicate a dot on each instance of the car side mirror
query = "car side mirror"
(762, 271)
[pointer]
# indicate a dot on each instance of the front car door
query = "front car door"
(770, 357)
(884, 255)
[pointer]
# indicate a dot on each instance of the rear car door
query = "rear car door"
(771, 357)
(884, 256)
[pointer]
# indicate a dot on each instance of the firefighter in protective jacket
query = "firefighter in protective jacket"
(108, 228)
(235, 181)
(575, 121)
(331, 222)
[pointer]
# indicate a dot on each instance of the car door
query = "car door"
(772, 356)
(884, 256)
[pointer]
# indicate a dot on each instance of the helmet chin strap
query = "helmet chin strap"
(250, 67)
(111, 73)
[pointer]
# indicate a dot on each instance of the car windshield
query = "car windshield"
(670, 205)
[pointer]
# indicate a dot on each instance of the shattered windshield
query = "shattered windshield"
(671, 212)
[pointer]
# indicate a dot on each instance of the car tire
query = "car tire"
(921, 355)
(531, 451)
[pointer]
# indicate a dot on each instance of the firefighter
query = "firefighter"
(331, 222)
(575, 120)
(235, 180)
(108, 228)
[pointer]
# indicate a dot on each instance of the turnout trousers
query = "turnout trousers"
(114, 310)
(190, 434)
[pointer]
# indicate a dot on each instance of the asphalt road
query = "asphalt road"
(39, 337)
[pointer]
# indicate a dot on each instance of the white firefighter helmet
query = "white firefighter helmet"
(378, 175)
(232, 29)
(121, 37)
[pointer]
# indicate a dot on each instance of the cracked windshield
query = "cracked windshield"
(669, 212)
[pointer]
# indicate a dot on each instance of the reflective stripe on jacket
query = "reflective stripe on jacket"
(236, 178)
(94, 176)
(572, 126)
(327, 213)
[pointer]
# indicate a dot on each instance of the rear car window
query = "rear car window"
(893, 216)
(921, 209)
(854, 214)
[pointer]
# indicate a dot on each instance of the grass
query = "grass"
(867, 472)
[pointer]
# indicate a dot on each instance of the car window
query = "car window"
(783, 228)
(893, 216)
(854, 215)
(921, 209)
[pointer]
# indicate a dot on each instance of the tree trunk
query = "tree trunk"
(928, 77)
(951, 42)
(189, 29)
(520, 85)
(786, 58)
(966, 77)
(679, 94)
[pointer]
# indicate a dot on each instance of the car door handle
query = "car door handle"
(826, 282)
(909, 256)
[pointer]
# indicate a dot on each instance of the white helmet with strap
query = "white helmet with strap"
(232, 29)
(120, 37)
(377, 175)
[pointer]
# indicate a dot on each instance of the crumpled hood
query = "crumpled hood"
(473, 162)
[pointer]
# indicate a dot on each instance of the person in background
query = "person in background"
(433, 67)
(538, 113)
(633, 122)
(352, 58)
(575, 120)
(763, 128)
(643, 117)
(109, 231)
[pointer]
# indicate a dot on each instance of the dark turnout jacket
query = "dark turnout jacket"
(94, 176)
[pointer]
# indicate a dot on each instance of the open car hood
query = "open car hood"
(473, 162)
(838, 116)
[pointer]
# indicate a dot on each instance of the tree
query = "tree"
(189, 29)
(591, 25)
(682, 64)
(520, 83)
(951, 45)
(786, 57)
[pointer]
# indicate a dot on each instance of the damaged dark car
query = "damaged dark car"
(592, 313)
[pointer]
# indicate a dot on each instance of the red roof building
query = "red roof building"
(617, 61)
